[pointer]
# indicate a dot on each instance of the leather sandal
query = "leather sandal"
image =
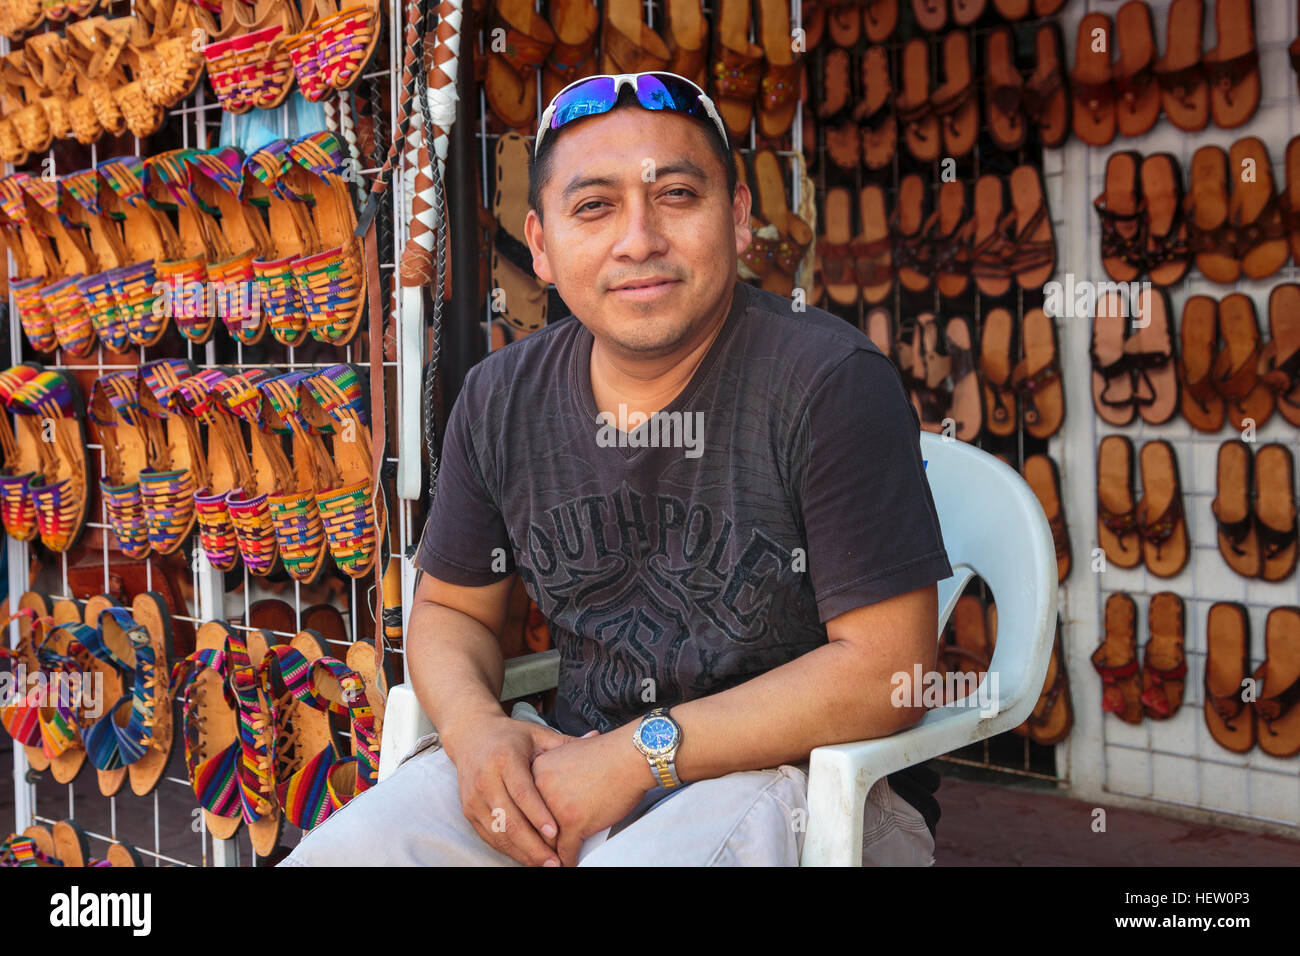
(879, 19)
(508, 78)
(1160, 520)
(1137, 94)
(83, 194)
(1279, 361)
(1115, 659)
(61, 499)
(24, 460)
(1117, 521)
(1164, 664)
(1238, 535)
(834, 248)
(966, 12)
(1233, 65)
(1052, 718)
(115, 404)
(877, 122)
(1277, 719)
(954, 102)
(1003, 91)
(299, 530)
(1236, 368)
(1202, 406)
(996, 364)
(844, 22)
(931, 379)
(1227, 664)
(778, 89)
(1256, 211)
(1031, 257)
(1042, 476)
(992, 238)
(1045, 98)
(576, 24)
(178, 464)
(1275, 511)
(835, 83)
(1123, 218)
(737, 66)
(1150, 354)
(966, 397)
(950, 240)
(1184, 87)
(916, 115)
(908, 227)
(1091, 82)
(930, 15)
(1211, 237)
(1166, 256)
(249, 505)
(776, 258)
(1037, 377)
(872, 248)
(525, 300)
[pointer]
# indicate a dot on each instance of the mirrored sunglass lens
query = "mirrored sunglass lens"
(587, 99)
(657, 92)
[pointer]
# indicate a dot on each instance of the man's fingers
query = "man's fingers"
(568, 847)
(520, 786)
(509, 822)
(545, 739)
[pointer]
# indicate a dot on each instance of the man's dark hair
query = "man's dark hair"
(541, 167)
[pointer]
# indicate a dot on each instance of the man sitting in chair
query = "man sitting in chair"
(729, 585)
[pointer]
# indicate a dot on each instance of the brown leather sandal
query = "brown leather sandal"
(1150, 354)
(1166, 256)
(1045, 99)
(1031, 257)
(1043, 477)
(966, 399)
(1123, 218)
(877, 123)
(1279, 362)
(930, 389)
(778, 89)
(954, 102)
(835, 85)
(880, 329)
(576, 23)
(1275, 511)
(1233, 65)
(1160, 519)
(1236, 368)
(992, 238)
(1277, 718)
(1116, 661)
(950, 240)
(966, 12)
(996, 362)
(1003, 91)
(834, 248)
(1164, 665)
(1117, 522)
(1233, 516)
(1256, 211)
(1091, 84)
(1227, 664)
(793, 234)
(879, 19)
(1211, 238)
(1202, 406)
(737, 65)
(1290, 199)
(1012, 9)
(1137, 94)
(1052, 718)
(508, 79)
(1184, 87)
(930, 15)
(907, 226)
(844, 23)
(915, 111)
(872, 248)
(1037, 377)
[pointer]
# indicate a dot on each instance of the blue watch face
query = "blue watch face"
(657, 734)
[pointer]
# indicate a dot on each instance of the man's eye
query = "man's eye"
(588, 206)
(680, 190)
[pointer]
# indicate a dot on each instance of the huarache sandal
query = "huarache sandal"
(950, 240)
(1233, 65)
(916, 113)
(1003, 91)
(85, 209)
(177, 65)
(1210, 234)
(525, 300)
(1235, 372)
(346, 42)
(115, 404)
(872, 247)
(1091, 85)
(61, 657)
(61, 499)
(778, 89)
(37, 266)
(737, 63)
(102, 746)
(1184, 88)
(1043, 477)
(20, 719)
(1032, 255)
(992, 240)
(1116, 661)
(1275, 511)
(1233, 515)
(1227, 665)
(1277, 719)
(1255, 211)
(1279, 362)
(508, 81)
(577, 22)
(179, 463)
(377, 680)
(27, 457)
(996, 363)
(879, 19)
(877, 124)
(966, 407)
(954, 102)
(910, 236)
(1150, 352)
(1123, 218)
(1160, 511)
(1201, 404)
(1037, 377)
(1117, 522)
(1164, 666)
(1166, 256)
(249, 504)
(1045, 99)
(299, 531)
(1137, 95)
(834, 248)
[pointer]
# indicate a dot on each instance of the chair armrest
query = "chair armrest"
(531, 674)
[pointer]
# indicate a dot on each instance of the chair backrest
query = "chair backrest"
(993, 526)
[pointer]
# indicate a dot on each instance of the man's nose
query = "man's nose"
(642, 234)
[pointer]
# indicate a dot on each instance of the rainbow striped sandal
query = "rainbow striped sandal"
(334, 403)
(21, 721)
(60, 295)
(229, 729)
(314, 778)
(60, 496)
(299, 531)
(35, 265)
(293, 237)
(248, 504)
(179, 466)
(61, 656)
(87, 211)
(346, 42)
(304, 51)
(26, 457)
(331, 283)
(115, 404)
(110, 678)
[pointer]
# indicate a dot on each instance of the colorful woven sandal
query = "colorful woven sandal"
(227, 464)
(228, 725)
(304, 50)
(60, 716)
(82, 195)
(115, 404)
(25, 457)
(60, 295)
(299, 530)
(334, 403)
(60, 496)
(21, 717)
(179, 465)
(177, 66)
(331, 284)
(113, 685)
(346, 41)
(293, 236)
(249, 504)
(37, 266)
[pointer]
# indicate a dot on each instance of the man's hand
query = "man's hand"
(497, 793)
(590, 784)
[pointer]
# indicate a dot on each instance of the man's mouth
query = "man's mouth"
(642, 289)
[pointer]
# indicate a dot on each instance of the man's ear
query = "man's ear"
(537, 244)
(740, 207)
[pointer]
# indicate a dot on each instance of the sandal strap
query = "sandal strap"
(1274, 708)
(1274, 540)
(1201, 390)
(1178, 82)
(1038, 92)
(1158, 530)
(1111, 675)
(736, 75)
(1238, 383)
(1098, 96)
(523, 52)
(1119, 523)
(1234, 531)
(1228, 73)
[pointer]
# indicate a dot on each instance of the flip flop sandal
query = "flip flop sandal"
(737, 63)
(249, 506)
(954, 102)
(1043, 477)
(525, 298)
(1277, 719)
(1202, 406)
(1235, 369)
(346, 42)
(1279, 362)
(930, 15)
(1052, 718)
(1137, 94)
(915, 111)
(60, 499)
(778, 88)
(1037, 377)
(814, 24)
(1091, 86)
(60, 725)
(1227, 664)
(115, 404)
(880, 329)
(508, 76)
(293, 236)
(931, 375)
(872, 248)
(1233, 65)
(834, 246)
(992, 240)
(1164, 666)
(950, 241)
(1160, 515)
(1116, 661)
(909, 235)
(835, 83)
(1166, 256)
(967, 406)
(299, 530)
(1256, 212)
(996, 362)
(1233, 514)
(576, 24)
(334, 404)
(1150, 352)
(880, 19)
(877, 123)
(1275, 511)
(844, 145)
(21, 721)
(1210, 234)
(1003, 91)
(845, 23)
(1184, 87)
(1032, 256)
(1117, 521)
(1045, 98)
(87, 211)
(179, 464)
(1290, 198)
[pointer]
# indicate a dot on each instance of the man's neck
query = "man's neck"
(649, 385)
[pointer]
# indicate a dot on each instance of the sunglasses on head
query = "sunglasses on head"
(654, 91)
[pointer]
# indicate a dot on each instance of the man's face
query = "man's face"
(640, 231)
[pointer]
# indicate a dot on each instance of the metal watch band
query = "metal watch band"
(665, 771)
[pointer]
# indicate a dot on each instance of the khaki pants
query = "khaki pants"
(753, 818)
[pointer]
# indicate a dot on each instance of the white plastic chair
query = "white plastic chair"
(993, 527)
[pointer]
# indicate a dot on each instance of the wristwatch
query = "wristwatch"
(658, 736)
